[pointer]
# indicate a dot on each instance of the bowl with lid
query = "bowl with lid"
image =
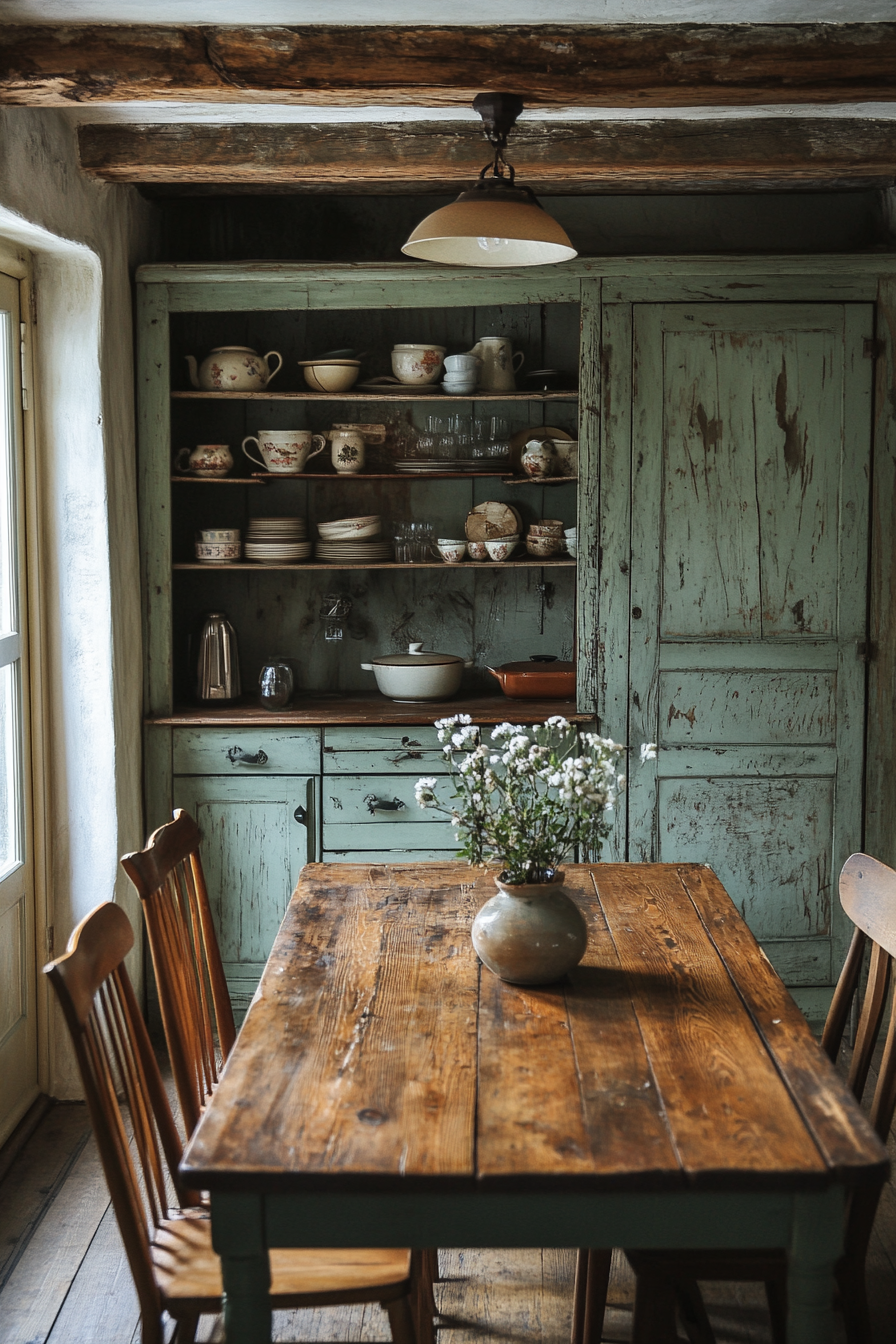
(418, 674)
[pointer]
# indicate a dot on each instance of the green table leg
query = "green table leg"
(238, 1237)
(816, 1245)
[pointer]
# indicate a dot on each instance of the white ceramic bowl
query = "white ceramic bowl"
(331, 375)
(219, 534)
(501, 548)
(458, 389)
(417, 365)
(572, 549)
(451, 550)
(217, 552)
(476, 550)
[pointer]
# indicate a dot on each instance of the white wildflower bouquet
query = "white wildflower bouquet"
(528, 799)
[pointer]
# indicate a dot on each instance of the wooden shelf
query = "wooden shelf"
(529, 562)
(373, 396)
(265, 477)
(312, 709)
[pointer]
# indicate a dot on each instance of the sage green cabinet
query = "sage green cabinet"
(257, 833)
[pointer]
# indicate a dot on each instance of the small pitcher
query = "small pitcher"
(499, 363)
(206, 459)
(347, 450)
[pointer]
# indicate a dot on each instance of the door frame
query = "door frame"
(16, 262)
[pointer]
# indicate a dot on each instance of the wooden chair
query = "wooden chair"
(197, 1016)
(169, 1249)
(669, 1279)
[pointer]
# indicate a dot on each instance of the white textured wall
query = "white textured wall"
(83, 237)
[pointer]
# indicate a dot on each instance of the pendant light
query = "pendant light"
(496, 222)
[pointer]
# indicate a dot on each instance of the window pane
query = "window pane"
(10, 768)
(8, 559)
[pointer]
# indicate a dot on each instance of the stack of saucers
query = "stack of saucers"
(273, 541)
(353, 541)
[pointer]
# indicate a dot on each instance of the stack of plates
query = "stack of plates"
(363, 527)
(354, 552)
(277, 540)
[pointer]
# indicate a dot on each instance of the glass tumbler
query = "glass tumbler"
(276, 683)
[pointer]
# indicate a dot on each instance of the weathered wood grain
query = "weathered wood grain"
(803, 1065)
(606, 1117)
(428, 155)
(362, 1040)
(377, 1052)
(623, 65)
(724, 1102)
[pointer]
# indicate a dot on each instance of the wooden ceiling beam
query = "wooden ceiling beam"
(677, 154)
(618, 65)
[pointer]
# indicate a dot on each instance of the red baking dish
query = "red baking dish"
(542, 677)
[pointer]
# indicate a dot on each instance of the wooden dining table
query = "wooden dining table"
(386, 1089)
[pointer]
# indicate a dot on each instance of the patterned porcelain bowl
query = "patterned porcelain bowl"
(501, 548)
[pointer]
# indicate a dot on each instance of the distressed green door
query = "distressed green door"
(255, 841)
(750, 439)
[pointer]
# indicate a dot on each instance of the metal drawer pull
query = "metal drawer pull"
(301, 816)
(236, 756)
(375, 804)
(405, 756)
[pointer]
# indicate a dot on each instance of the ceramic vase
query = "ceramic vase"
(531, 933)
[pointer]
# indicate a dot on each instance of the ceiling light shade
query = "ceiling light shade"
(495, 223)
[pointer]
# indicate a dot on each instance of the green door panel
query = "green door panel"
(253, 849)
(749, 445)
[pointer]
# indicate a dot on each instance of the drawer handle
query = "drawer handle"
(375, 804)
(301, 816)
(236, 756)
(405, 756)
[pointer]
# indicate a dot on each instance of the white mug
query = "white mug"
(499, 363)
(284, 451)
(348, 450)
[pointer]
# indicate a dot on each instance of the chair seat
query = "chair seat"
(188, 1272)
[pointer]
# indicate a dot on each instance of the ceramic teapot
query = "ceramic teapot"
(499, 363)
(233, 368)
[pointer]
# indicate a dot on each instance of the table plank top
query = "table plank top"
(380, 1054)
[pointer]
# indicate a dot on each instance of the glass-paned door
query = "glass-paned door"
(18, 1027)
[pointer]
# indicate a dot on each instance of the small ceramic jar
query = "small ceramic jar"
(206, 459)
(543, 546)
(538, 458)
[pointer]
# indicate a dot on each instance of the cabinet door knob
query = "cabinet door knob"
(375, 804)
(236, 756)
(301, 816)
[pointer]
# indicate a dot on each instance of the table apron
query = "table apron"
(246, 1223)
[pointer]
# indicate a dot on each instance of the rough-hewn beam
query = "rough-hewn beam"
(596, 156)
(618, 65)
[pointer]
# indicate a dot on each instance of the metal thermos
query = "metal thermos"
(218, 669)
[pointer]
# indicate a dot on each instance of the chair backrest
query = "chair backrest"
(868, 895)
(193, 997)
(115, 1060)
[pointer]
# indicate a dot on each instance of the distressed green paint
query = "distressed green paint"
(253, 850)
(750, 450)
(205, 751)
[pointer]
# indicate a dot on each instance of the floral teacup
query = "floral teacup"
(502, 547)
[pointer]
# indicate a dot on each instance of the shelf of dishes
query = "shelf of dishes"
(493, 533)
(387, 391)
(517, 562)
(266, 477)
(490, 367)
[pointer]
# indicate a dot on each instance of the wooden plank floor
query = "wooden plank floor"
(64, 1278)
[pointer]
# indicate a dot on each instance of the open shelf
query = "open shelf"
(436, 395)
(264, 478)
(529, 562)
(316, 708)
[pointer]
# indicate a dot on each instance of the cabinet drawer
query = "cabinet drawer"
(378, 800)
(410, 856)
(230, 751)
(424, 839)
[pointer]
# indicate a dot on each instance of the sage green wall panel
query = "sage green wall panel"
(238, 296)
(741, 655)
(717, 708)
(769, 762)
(801, 961)
(204, 751)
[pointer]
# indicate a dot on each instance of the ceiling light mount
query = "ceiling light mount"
(496, 222)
